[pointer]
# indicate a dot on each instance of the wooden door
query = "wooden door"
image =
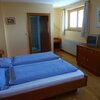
(44, 33)
(45, 37)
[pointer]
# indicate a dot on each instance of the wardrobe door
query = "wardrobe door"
(45, 34)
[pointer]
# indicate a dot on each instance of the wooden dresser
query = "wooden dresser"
(89, 58)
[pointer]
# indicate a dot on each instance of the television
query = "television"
(93, 40)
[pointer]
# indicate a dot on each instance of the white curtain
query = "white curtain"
(85, 27)
(63, 21)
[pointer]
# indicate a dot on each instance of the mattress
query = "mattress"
(41, 83)
(35, 71)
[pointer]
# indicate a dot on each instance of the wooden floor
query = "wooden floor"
(91, 92)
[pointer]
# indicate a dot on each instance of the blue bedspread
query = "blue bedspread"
(4, 82)
(35, 71)
(33, 58)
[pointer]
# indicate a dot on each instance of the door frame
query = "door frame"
(28, 27)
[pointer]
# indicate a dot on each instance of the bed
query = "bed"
(33, 58)
(58, 76)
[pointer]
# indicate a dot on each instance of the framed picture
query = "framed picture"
(10, 20)
(98, 17)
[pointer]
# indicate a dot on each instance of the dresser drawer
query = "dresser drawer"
(89, 58)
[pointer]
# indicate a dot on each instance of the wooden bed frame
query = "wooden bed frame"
(50, 91)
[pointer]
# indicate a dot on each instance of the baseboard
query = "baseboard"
(67, 52)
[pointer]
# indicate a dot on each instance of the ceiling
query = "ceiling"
(56, 3)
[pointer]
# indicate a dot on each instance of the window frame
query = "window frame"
(76, 28)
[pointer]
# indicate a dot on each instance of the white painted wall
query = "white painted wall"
(74, 35)
(2, 32)
(94, 5)
(17, 37)
(70, 41)
(57, 22)
(71, 38)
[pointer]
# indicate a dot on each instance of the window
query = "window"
(75, 19)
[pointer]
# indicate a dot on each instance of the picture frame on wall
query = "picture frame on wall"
(98, 18)
(10, 20)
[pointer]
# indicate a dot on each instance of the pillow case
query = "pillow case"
(33, 58)
(4, 78)
(5, 62)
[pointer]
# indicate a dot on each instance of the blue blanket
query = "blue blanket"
(4, 80)
(33, 58)
(35, 71)
(5, 62)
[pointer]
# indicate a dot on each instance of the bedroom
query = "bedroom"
(14, 38)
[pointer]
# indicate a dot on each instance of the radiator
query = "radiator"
(69, 46)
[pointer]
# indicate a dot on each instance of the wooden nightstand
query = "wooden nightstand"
(57, 44)
(1, 52)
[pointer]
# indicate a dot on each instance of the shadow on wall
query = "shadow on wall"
(56, 31)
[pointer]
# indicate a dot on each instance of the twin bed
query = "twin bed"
(39, 76)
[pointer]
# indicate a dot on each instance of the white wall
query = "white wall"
(94, 5)
(57, 22)
(70, 41)
(71, 38)
(17, 37)
(2, 33)
(74, 35)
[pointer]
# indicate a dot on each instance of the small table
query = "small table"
(1, 52)
(57, 44)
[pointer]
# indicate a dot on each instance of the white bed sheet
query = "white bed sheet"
(42, 83)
